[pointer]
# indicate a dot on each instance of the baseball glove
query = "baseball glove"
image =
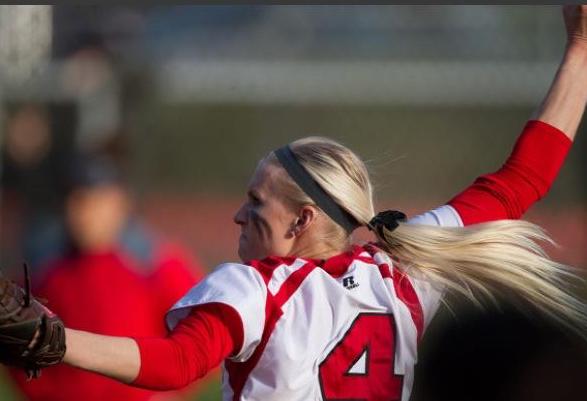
(31, 336)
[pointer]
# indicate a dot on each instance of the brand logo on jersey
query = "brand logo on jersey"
(349, 283)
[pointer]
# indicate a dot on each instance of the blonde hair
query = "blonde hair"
(478, 261)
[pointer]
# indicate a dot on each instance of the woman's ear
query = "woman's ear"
(305, 218)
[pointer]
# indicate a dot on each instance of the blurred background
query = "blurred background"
(170, 108)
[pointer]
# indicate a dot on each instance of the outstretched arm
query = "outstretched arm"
(208, 335)
(540, 151)
(115, 357)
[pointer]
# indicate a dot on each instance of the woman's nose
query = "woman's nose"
(240, 217)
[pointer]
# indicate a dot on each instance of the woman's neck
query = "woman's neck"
(319, 250)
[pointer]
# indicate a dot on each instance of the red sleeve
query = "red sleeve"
(207, 336)
(526, 177)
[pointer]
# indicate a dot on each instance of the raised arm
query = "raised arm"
(565, 102)
(541, 150)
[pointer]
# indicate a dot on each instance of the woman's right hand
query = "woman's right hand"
(565, 101)
(575, 17)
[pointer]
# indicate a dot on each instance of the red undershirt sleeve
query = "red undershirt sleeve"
(526, 177)
(200, 342)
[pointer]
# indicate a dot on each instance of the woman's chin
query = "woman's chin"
(244, 253)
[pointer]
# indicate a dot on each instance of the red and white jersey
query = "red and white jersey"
(348, 327)
(343, 328)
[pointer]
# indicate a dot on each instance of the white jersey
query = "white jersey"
(344, 328)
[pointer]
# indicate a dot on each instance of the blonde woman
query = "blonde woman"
(308, 315)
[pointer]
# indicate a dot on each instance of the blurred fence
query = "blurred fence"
(406, 83)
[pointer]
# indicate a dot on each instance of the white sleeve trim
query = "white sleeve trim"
(443, 216)
(238, 286)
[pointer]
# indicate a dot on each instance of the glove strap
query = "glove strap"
(27, 286)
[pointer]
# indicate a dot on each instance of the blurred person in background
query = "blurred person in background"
(90, 75)
(116, 278)
(35, 153)
(41, 138)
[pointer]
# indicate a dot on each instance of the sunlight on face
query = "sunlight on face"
(264, 219)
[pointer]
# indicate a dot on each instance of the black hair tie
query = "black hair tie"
(388, 219)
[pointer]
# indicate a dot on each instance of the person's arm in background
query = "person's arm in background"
(542, 147)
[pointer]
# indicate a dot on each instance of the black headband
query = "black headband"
(300, 175)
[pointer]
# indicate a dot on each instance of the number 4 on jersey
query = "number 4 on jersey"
(361, 365)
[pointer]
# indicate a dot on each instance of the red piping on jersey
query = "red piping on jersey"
(406, 293)
(292, 283)
(267, 266)
(384, 270)
(338, 265)
(238, 372)
(404, 290)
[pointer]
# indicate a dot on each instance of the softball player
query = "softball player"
(310, 316)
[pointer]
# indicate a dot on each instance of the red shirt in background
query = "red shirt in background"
(113, 294)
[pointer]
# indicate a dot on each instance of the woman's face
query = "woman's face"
(266, 222)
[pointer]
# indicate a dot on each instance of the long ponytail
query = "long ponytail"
(479, 261)
(482, 260)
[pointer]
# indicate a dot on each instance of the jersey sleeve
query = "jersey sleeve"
(443, 216)
(240, 287)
